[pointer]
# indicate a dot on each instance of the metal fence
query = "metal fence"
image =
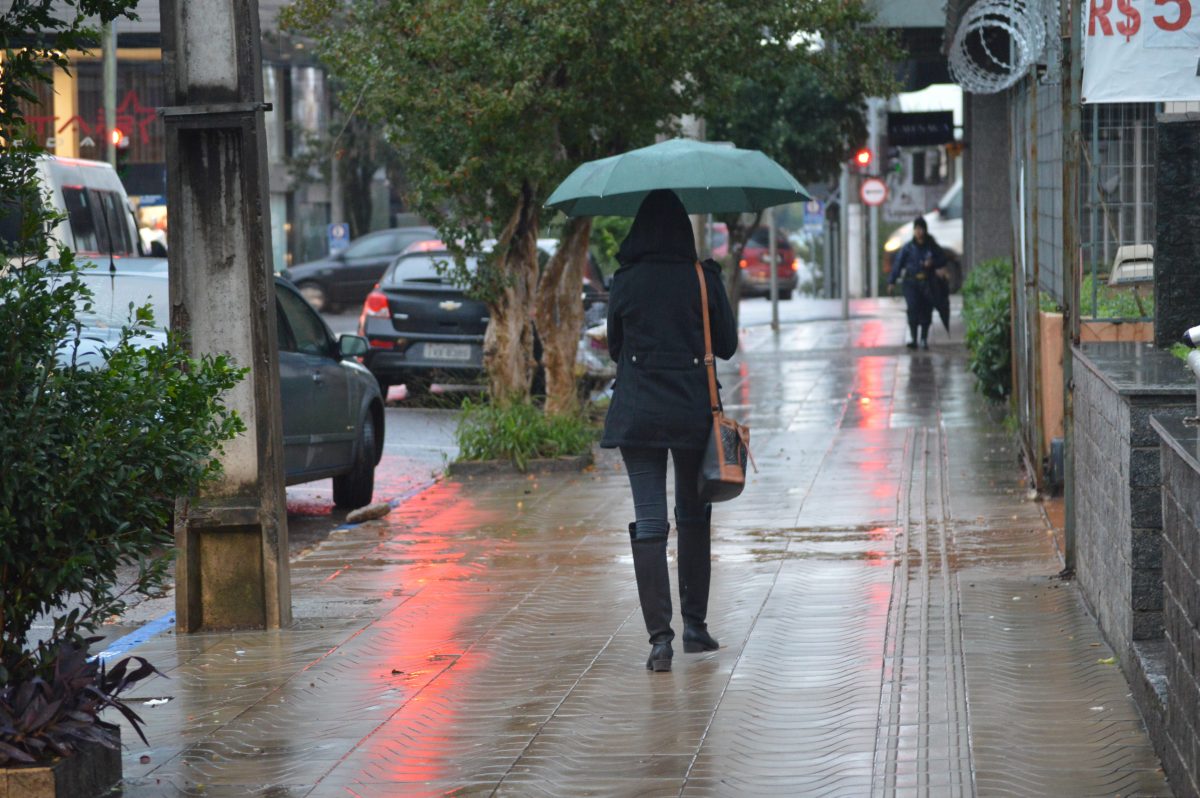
(1117, 201)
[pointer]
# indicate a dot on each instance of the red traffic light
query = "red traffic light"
(863, 158)
(116, 135)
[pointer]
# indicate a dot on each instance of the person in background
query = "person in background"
(660, 404)
(915, 268)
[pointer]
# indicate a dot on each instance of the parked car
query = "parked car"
(755, 265)
(419, 325)
(945, 223)
(719, 240)
(96, 216)
(346, 277)
(332, 408)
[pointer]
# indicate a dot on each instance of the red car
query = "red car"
(755, 266)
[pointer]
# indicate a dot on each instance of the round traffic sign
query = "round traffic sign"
(873, 191)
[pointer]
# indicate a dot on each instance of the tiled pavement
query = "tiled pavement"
(884, 593)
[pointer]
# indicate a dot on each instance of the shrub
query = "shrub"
(1111, 303)
(987, 313)
(519, 432)
(92, 459)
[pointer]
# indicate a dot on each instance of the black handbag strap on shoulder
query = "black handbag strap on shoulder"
(709, 362)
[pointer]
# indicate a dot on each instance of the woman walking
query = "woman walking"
(915, 268)
(661, 404)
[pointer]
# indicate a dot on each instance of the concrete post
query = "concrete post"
(1176, 250)
(108, 40)
(232, 570)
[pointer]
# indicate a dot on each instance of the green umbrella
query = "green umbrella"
(709, 178)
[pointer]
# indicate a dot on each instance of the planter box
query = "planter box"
(1050, 397)
(471, 468)
(92, 771)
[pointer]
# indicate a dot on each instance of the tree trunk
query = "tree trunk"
(508, 343)
(559, 315)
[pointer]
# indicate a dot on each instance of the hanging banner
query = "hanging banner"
(1141, 51)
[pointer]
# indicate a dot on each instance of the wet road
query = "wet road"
(884, 593)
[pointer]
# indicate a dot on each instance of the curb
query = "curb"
(540, 465)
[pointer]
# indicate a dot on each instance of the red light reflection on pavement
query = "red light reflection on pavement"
(424, 658)
(870, 333)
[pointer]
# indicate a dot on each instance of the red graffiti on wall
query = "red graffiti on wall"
(132, 118)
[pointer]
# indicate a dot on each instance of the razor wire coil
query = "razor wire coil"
(996, 43)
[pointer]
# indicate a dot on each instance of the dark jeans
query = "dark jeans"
(920, 309)
(647, 469)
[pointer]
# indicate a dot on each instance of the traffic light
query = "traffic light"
(863, 159)
(121, 147)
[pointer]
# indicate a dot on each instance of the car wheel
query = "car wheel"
(384, 386)
(784, 296)
(315, 294)
(355, 488)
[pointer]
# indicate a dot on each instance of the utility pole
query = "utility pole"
(843, 238)
(1072, 73)
(108, 43)
(232, 541)
(873, 139)
(773, 255)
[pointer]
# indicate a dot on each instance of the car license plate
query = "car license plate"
(448, 351)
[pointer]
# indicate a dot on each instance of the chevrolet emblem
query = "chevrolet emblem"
(449, 304)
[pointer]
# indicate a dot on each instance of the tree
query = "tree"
(492, 104)
(803, 104)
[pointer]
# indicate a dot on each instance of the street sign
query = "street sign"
(873, 191)
(920, 128)
(814, 216)
(339, 236)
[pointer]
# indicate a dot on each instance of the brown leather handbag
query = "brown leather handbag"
(723, 469)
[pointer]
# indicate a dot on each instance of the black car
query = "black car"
(420, 325)
(346, 277)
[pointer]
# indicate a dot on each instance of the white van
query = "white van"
(99, 219)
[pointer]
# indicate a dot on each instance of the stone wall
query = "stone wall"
(1177, 215)
(1180, 743)
(1102, 505)
(1118, 505)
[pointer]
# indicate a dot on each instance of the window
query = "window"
(114, 227)
(309, 334)
(424, 268)
(79, 217)
(373, 246)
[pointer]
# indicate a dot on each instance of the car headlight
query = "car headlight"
(892, 244)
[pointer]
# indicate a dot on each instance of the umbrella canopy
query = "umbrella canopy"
(709, 178)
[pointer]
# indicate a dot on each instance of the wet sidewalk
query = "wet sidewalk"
(884, 593)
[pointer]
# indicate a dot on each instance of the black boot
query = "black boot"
(654, 591)
(912, 332)
(695, 572)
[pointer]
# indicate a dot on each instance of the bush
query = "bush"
(519, 432)
(987, 313)
(1111, 303)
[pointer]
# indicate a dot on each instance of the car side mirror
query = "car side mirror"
(352, 345)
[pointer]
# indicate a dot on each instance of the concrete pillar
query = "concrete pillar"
(1177, 209)
(987, 211)
(66, 108)
(232, 570)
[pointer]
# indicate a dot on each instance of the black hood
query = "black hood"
(661, 231)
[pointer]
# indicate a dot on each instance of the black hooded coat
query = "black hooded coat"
(656, 333)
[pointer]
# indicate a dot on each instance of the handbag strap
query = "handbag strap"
(709, 362)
